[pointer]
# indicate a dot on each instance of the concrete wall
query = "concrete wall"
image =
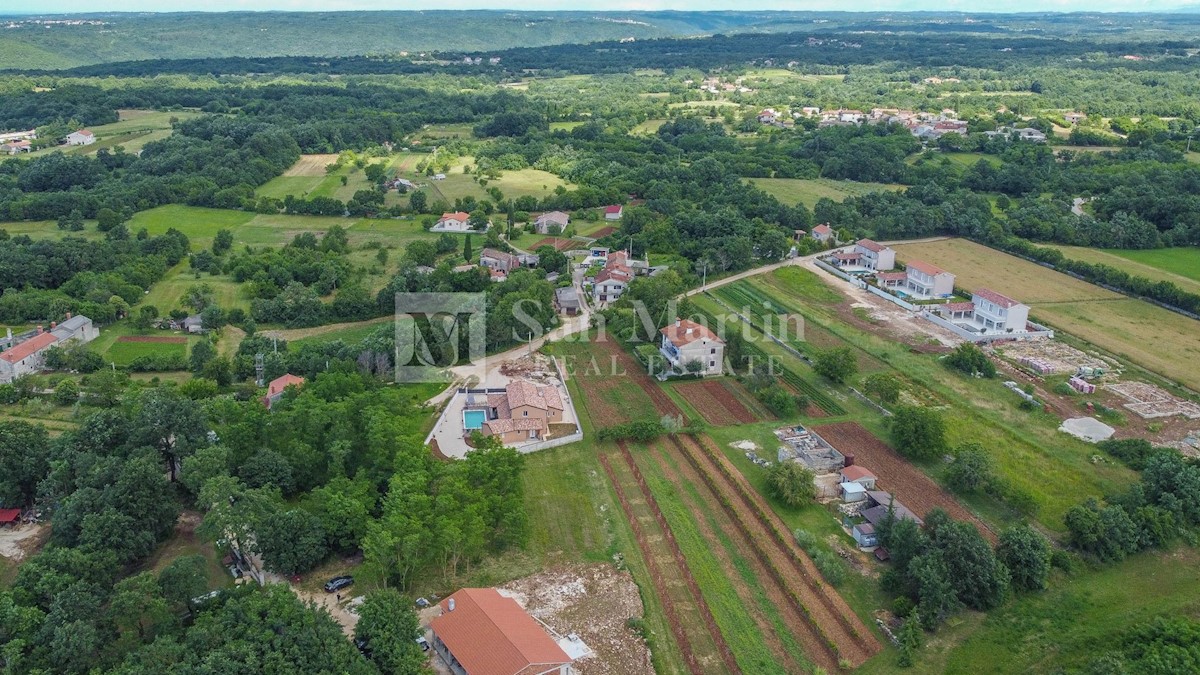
(1042, 331)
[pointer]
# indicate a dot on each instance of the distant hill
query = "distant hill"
(66, 41)
(31, 42)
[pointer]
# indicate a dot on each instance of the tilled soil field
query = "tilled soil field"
(593, 601)
(556, 243)
(636, 372)
(832, 626)
(752, 404)
(791, 639)
(692, 623)
(699, 397)
(918, 491)
(720, 391)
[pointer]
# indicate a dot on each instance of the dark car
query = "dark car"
(338, 583)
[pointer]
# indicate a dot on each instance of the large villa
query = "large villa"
(522, 411)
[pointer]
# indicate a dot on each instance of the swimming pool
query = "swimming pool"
(473, 419)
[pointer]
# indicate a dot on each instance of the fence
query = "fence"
(552, 443)
(863, 397)
(838, 273)
(893, 298)
(965, 334)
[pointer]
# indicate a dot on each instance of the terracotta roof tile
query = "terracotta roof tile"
(855, 472)
(278, 384)
(688, 332)
(922, 266)
(997, 298)
(28, 347)
(870, 245)
(490, 634)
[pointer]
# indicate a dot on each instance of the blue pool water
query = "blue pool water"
(474, 419)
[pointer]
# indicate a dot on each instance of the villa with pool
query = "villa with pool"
(522, 411)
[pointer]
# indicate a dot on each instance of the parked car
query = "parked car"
(338, 583)
(424, 644)
(422, 603)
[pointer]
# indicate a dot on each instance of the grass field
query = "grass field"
(794, 191)
(124, 353)
(457, 185)
(647, 128)
(132, 131)
(1180, 266)
(1063, 628)
(309, 178)
(167, 293)
(1149, 336)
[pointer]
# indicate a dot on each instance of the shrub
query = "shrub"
(791, 483)
(970, 359)
(971, 470)
(919, 433)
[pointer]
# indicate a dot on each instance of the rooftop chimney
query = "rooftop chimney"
(450, 604)
(68, 315)
(677, 322)
(53, 325)
(39, 330)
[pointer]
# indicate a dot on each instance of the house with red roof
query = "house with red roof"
(875, 256)
(459, 221)
(481, 632)
(28, 356)
(999, 313)
(686, 341)
(522, 411)
(927, 281)
(81, 137)
(614, 212)
(823, 233)
(278, 386)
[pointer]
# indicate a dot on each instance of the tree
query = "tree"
(185, 578)
(791, 483)
(971, 470)
(979, 579)
(468, 255)
(66, 392)
(970, 359)
(389, 627)
(419, 201)
(202, 352)
(138, 609)
(918, 432)
(837, 364)
(168, 422)
(291, 541)
(107, 219)
(1026, 554)
(552, 260)
(937, 597)
(883, 386)
(267, 468)
(222, 241)
(72, 222)
(694, 366)
(208, 462)
(910, 639)
(146, 316)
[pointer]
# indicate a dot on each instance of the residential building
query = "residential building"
(28, 357)
(544, 222)
(614, 212)
(278, 386)
(858, 474)
(927, 281)
(481, 632)
(524, 411)
(30, 135)
(999, 313)
(16, 147)
(81, 137)
(891, 280)
(768, 116)
(566, 299)
(875, 256)
(1074, 117)
(459, 221)
(193, 324)
(823, 233)
(498, 260)
(611, 283)
(685, 341)
(881, 503)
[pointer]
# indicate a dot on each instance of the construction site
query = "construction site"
(1150, 402)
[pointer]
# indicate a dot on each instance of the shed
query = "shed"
(853, 492)
(864, 535)
(858, 474)
(9, 516)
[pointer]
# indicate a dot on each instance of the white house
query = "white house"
(686, 341)
(81, 137)
(999, 313)
(16, 147)
(459, 221)
(614, 212)
(611, 283)
(858, 474)
(875, 256)
(927, 281)
(768, 116)
(544, 222)
(28, 357)
(822, 233)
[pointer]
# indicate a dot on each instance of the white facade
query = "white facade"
(875, 256)
(687, 341)
(994, 314)
(81, 137)
(928, 281)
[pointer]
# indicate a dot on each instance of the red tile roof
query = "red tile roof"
(615, 208)
(994, 297)
(457, 215)
(870, 245)
(922, 266)
(688, 332)
(891, 276)
(277, 385)
(621, 274)
(841, 255)
(28, 347)
(855, 472)
(521, 392)
(490, 634)
(822, 229)
(957, 307)
(84, 132)
(504, 425)
(9, 515)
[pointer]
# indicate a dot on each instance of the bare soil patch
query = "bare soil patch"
(310, 165)
(18, 542)
(896, 475)
(595, 602)
(603, 232)
(699, 397)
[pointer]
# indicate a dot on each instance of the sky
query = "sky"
(76, 6)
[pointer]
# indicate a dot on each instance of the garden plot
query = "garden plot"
(1149, 402)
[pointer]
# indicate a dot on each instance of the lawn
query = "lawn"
(1147, 335)
(647, 128)
(124, 353)
(1180, 266)
(168, 293)
(133, 130)
(792, 191)
(520, 183)
(308, 178)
